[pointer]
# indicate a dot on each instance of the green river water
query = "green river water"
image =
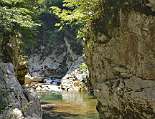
(67, 105)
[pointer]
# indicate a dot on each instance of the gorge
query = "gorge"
(84, 57)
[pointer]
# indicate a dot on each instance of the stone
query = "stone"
(21, 71)
(75, 79)
(122, 70)
(18, 103)
(47, 88)
(151, 4)
(56, 58)
(30, 79)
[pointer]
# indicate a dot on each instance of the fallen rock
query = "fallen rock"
(29, 79)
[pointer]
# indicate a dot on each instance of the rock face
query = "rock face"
(121, 61)
(76, 77)
(16, 102)
(56, 59)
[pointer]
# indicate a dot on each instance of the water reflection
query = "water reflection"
(67, 105)
(73, 97)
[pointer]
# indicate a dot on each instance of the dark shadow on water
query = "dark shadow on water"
(68, 106)
(58, 115)
(51, 113)
(48, 107)
(43, 103)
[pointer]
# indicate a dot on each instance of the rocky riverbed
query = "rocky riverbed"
(64, 97)
(75, 79)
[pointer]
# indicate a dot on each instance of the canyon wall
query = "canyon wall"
(121, 60)
(57, 57)
(16, 102)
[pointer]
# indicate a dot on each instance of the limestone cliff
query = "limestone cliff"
(121, 60)
(57, 57)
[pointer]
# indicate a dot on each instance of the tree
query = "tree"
(16, 16)
(79, 14)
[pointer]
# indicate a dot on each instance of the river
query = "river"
(68, 105)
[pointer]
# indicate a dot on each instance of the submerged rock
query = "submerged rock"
(16, 102)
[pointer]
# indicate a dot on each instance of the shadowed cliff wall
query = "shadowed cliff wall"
(121, 60)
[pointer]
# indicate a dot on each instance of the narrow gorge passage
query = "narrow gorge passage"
(77, 59)
(67, 97)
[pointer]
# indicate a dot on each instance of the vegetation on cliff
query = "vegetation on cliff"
(16, 17)
(118, 35)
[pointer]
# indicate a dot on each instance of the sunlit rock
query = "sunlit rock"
(76, 78)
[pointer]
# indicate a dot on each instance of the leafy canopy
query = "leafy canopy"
(14, 13)
(78, 13)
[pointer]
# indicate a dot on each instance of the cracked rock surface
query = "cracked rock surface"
(16, 102)
(122, 69)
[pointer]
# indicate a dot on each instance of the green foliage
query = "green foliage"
(78, 14)
(83, 67)
(29, 39)
(46, 35)
(91, 15)
(46, 4)
(13, 16)
(16, 17)
(16, 13)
